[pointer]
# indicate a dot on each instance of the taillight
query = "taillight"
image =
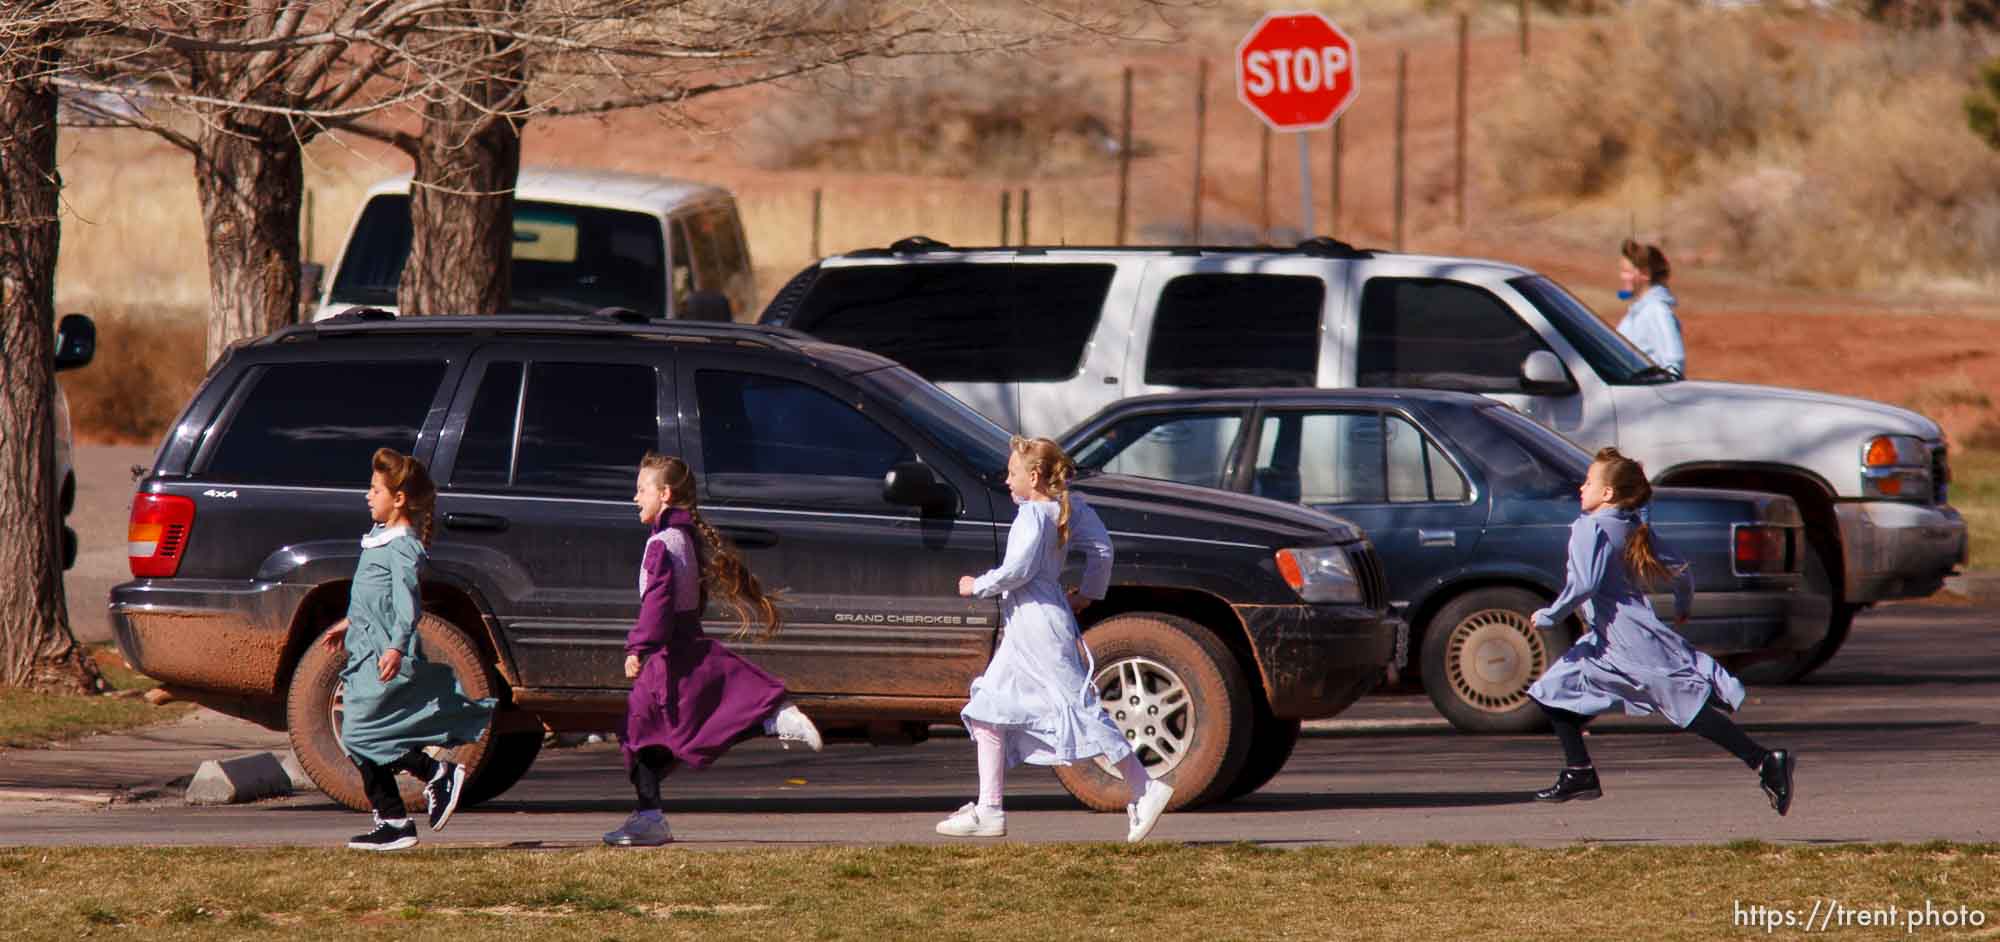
(1760, 550)
(158, 534)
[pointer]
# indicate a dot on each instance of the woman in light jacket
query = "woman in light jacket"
(1650, 323)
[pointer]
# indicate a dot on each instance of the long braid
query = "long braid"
(721, 566)
(1047, 458)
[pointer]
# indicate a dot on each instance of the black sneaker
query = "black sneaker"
(1776, 776)
(1572, 784)
(442, 791)
(386, 836)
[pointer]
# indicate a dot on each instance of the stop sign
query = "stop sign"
(1295, 70)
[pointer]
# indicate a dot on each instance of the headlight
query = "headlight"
(1897, 467)
(1320, 574)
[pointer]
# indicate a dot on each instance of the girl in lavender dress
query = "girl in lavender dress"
(1627, 658)
(1036, 703)
(692, 698)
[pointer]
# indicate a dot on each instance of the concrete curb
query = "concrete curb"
(244, 778)
(301, 782)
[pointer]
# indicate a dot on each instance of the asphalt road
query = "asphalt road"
(1897, 739)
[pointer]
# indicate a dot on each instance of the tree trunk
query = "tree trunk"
(462, 194)
(249, 176)
(36, 646)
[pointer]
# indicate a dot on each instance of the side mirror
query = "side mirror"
(914, 484)
(76, 341)
(1543, 375)
(706, 306)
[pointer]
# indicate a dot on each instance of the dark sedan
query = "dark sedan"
(1469, 504)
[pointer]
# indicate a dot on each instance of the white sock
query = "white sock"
(443, 767)
(396, 822)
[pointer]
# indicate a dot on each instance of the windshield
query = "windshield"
(1608, 352)
(566, 259)
(949, 422)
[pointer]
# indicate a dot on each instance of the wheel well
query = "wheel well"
(327, 604)
(1814, 501)
(1199, 607)
(1421, 615)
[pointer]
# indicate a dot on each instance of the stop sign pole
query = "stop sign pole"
(1296, 72)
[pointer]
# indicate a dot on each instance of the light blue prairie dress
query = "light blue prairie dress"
(1037, 689)
(1627, 657)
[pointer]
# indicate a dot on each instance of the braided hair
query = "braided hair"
(405, 475)
(722, 567)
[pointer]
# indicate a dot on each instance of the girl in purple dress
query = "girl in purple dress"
(692, 698)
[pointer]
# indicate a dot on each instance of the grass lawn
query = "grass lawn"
(1975, 491)
(1161, 891)
(28, 718)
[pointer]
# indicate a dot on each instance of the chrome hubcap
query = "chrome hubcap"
(1492, 657)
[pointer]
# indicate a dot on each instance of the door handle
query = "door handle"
(1437, 537)
(460, 521)
(750, 537)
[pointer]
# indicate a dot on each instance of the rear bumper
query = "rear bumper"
(1898, 551)
(223, 636)
(1743, 622)
(1315, 660)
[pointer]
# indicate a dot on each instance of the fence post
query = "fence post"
(1125, 155)
(1524, 30)
(1402, 87)
(1024, 217)
(1006, 213)
(1200, 128)
(816, 224)
(1464, 54)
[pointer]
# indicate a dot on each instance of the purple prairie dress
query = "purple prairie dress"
(694, 697)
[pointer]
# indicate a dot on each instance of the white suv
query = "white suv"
(1039, 338)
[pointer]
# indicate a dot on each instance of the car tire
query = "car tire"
(309, 713)
(1192, 717)
(1793, 666)
(1482, 651)
(1271, 743)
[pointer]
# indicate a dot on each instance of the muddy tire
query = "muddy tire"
(1180, 697)
(310, 707)
(1271, 743)
(1481, 653)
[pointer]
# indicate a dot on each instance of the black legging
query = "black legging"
(378, 781)
(653, 763)
(1712, 724)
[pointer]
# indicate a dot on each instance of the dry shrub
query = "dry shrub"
(1986, 437)
(147, 366)
(993, 116)
(1817, 159)
(1957, 390)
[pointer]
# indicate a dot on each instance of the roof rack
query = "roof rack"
(1316, 247)
(377, 322)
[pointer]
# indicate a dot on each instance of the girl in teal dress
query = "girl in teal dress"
(396, 702)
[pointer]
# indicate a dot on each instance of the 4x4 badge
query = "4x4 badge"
(212, 492)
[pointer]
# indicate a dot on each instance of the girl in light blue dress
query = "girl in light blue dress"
(1036, 702)
(1627, 658)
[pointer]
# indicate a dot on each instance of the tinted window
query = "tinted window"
(1609, 353)
(1236, 330)
(566, 258)
(1191, 449)
(1442, 335)
(958, 427)
(1321, 458)
(486, 447)
(754, 424)
(962, 322)
(1521, 459)
(584, 427)
(320, 423)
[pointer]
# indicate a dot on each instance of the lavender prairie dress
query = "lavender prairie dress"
(1627, 658)
(694, 697)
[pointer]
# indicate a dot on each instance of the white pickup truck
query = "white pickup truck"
(1040, 337)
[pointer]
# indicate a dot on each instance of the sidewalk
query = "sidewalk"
(149, 762)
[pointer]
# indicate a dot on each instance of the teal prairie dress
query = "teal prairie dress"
(423, 704)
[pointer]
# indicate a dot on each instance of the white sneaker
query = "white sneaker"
(1146, 812)
(974, 821)
(794, 726)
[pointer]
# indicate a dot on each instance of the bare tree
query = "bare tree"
(36, 646)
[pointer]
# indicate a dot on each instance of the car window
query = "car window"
(1520, 459)
(1608, 352)
(486, 446)
(962, 322)
(1446, 483)
(584, 427)
(1321, 458)
(318, 424)
(1191, 449)
(757, 424)
(1222, 330)
(1441, 335)
(683, 271)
